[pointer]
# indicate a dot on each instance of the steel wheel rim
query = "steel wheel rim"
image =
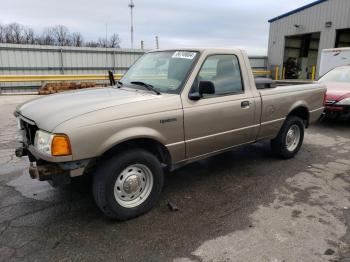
(133, 185)
(293, 137)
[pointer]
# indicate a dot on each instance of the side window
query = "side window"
(224, 72)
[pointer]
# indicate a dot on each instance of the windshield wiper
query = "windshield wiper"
(148, 86)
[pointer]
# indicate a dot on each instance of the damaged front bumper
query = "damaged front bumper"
(46, 171)
(56, 172)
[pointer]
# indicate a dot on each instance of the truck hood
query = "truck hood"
(49, 111)
(337, 91)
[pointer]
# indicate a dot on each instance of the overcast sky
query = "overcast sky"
(178, 23)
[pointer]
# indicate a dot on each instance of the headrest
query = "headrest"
(225, 67)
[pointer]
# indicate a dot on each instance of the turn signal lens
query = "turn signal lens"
(60, 146)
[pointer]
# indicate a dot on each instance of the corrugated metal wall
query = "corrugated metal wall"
(258, 62)
(311, 20)
(34, 59)
(52, 60)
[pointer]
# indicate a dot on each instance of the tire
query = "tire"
(128, 184)
(285, 145)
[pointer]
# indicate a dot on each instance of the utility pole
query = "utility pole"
(131, 5)
(157, 42)
(106, 37)
(106, 44)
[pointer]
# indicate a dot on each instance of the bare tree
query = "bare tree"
(57, 35)
(2, 33)
(29, 36)
(77, 39)
(14, 33)
(8, 36)
(18, 32)
(47, 38)
(91, 44)
(102, 42)
(61, 35)
(114, 41)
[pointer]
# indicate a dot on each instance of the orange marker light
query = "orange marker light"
(60, 146)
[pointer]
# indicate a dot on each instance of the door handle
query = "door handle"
(245, 104)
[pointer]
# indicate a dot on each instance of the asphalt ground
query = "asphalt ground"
(244, 205)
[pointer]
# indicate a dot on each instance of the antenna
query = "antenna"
(131, 5)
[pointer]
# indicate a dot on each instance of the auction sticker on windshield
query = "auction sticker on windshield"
(184, 54)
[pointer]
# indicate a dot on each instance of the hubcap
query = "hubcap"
(293, 138)
(133, 185)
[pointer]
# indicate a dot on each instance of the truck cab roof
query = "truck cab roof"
(201, 50)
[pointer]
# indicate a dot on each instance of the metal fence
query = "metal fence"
(53, 60)
(258, 62)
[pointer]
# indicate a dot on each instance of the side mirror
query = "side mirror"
(204, 87)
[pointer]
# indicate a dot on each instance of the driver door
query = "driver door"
(224, 119)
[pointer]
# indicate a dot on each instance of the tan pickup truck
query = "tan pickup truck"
(170, 108)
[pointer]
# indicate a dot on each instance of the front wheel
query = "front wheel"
(289, 139)
(128, 184)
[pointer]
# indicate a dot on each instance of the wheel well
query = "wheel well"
(302, 113)
(150, 145)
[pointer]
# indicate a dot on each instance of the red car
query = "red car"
(337, 82)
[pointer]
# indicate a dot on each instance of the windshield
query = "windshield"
(165, 71)
(337, 75)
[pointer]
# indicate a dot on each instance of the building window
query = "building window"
(343, 38)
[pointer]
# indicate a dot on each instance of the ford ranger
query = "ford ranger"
(170, 108)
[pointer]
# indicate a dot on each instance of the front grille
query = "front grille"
(29, 131)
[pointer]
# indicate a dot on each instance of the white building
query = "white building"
(300, 35)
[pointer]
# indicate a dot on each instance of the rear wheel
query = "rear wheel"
(290, 138)
(128, 184)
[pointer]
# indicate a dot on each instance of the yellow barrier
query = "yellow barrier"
(48, 78)
(261, 72)
(277, 73)
(313, 73)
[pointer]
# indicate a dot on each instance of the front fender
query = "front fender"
(130, 134)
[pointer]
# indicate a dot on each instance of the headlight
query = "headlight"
(344, 102)
(52, 144)
(43, 141)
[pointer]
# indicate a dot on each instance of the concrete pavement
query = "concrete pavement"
(244, 205)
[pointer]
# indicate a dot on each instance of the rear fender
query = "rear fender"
(300, 109)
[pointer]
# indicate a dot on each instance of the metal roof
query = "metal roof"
(296, 10)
